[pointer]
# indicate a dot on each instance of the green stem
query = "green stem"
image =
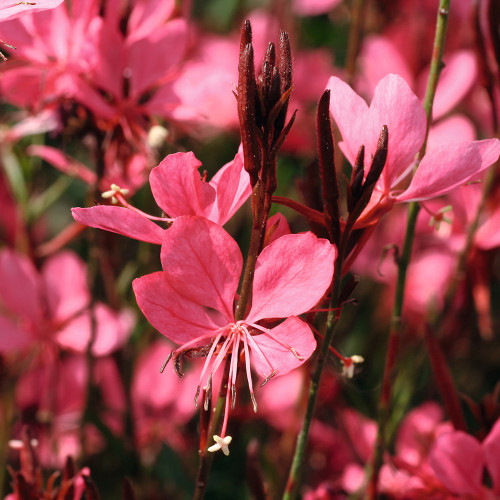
(403, 263)
(330, 325)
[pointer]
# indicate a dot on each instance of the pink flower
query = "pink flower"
(179, 190)
(444, 167)
(458, 460)
(192, 301)
(51, 398)
(53, 306)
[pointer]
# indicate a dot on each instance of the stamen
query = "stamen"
(196, 397)
(254, 402)
(267, 332)
(249, 373)
(234, 369)
(117, 195)
(166, 362)
(233, 396)
(208, 390)
(209, 356)
(268, 378)
(222, 443)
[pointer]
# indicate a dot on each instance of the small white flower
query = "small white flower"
(221, 444)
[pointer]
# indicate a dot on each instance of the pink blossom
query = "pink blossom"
(53, 306)
(313, 7)
(52, 395)
(444, 167)
(191, 301)
(179, 190)
(89, 60)
(380, 57)
(458, 459)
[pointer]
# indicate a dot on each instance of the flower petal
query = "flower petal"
(65, 279)
(203, 263)
(291, 276)
(350, 112)
(20, 287)
(232, 184)
(120, 220)
(178, 188)
(449, 166)
(491, 446)
(172, 314)
(293, 332)
(458, 461)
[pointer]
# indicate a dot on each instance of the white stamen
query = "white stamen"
(221, 444)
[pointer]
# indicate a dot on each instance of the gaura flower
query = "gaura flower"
(192, 303)
(445, 166)
(179, 190)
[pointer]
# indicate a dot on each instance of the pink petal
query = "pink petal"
(458, 461)
(65, 282)
(380, 57)
(291, 276)
(232, 184)
(455, 81)
(12, 337)
(350, 113)
(488, 233)
(178, 188)
(203, 263)
(395, 105)
(456, 128)
(178, 318)
(449, 166)
(146, 16)
(313, 7)
(293, 332)
(14, 9)
(113, 329)
(20, 287)
(160, 63)
(491, 447)
(64, 163)
(120, 220)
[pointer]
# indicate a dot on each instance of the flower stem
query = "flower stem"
(331, 322)
(355, 34)
(403, 263)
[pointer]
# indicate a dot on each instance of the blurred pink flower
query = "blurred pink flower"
(53, 306)
(313, 7)
(380, 57)
(179, 190)
(458, 460)
(191, 301)
(51, 398)
(95, 62)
